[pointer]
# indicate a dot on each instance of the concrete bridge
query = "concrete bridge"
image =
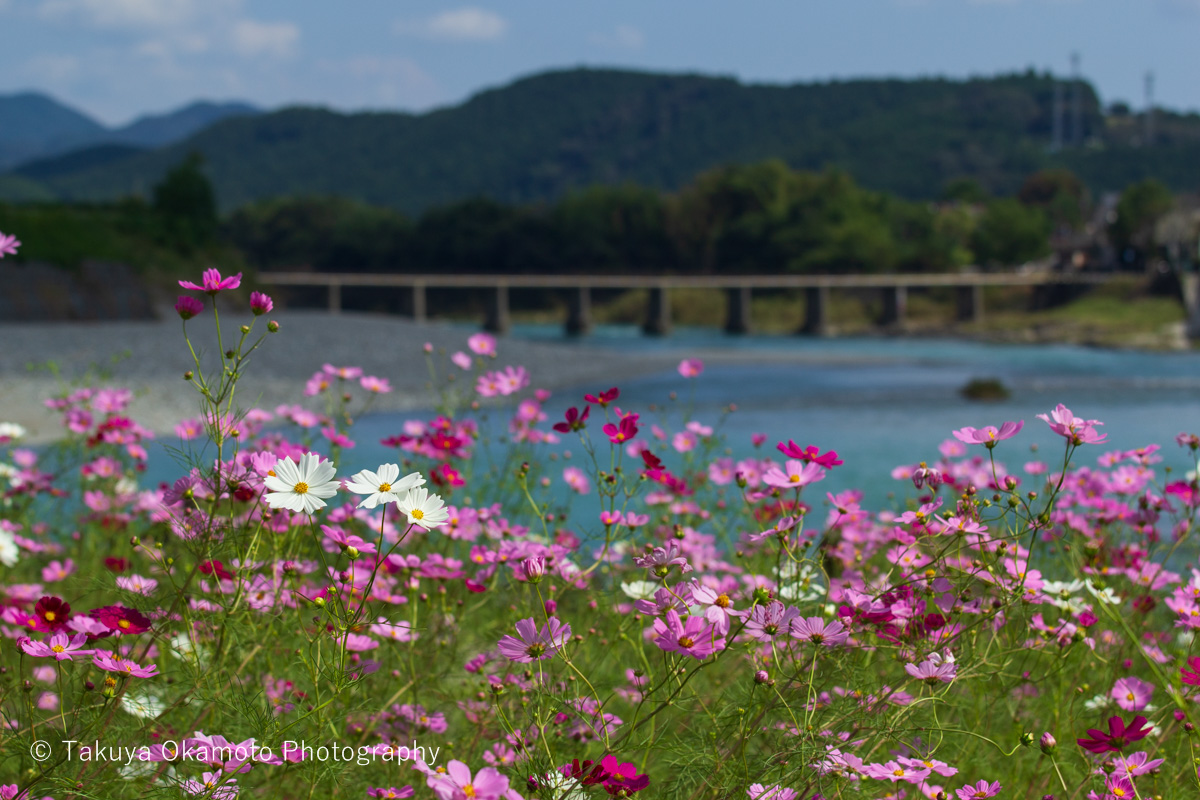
(738, 288)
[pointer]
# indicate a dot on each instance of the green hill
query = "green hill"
(540, 137)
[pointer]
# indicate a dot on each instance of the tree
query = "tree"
(1010, 233)
(1140, 207)
(1059, 193)
(187, 204)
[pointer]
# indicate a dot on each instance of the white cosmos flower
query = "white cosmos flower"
(1105, 595)
(9, 552)
(300, 487)
(640, 590)
(11, 432)
(383, 486)
(424, 509)
(145, 705)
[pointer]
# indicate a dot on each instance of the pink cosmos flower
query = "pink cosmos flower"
(934, 670)
(691, 367)
(212, 784)
(60, 646)
(458, 784)
(577, 479)
(482, 344)
(1136, 764)
(1075, 430)
(818, 631)
(391, 793)
(535, 645)
(990, 435)
(8, 244)
(375, 385)
(660, 560)
(980, 790)
(622, 775)
(720, 607)
(794, 475)
(695, 638)
(1132, 694)
(260, 304)
(213, 282)
(759, 792)
(188, 307)
(770, 620)
(111, 662)
(894, 771)
(1190, 675)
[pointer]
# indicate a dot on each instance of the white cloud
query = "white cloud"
(625, 37)
(137, 14)
(468, 24)
(253, 38)
(52, 68)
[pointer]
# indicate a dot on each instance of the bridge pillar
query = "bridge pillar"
(1189, 282)
(579, 313)
(816, 317)
(498, 319)
(658, 312)
(737, 316)
(335, 297)
(970, 304)
(895, 304)
(414, 305)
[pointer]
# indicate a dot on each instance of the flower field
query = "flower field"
(603, 605)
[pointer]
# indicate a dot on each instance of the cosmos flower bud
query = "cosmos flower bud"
(534, 568)
(1047, 743)
(273, 326)
(762, 677)
(551, 608)
(188, 307)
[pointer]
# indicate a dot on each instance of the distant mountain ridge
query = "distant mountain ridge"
(546, 135)
(36, 126)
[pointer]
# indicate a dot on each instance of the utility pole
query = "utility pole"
(1056, 137)
(1149, 118)
(1076, 102)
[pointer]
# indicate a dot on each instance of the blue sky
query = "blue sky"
(116, 59)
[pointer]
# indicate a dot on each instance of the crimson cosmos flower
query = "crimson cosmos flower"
(624, 432)
(1119, 734)
(213, 282)
(575, 420)
(604, 398)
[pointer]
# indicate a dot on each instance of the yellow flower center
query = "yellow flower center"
(794, 478)
(417, 513)
(300, 488)
(58, 648)
(469, 790)
(1130, 697)
(385, 487)
(898, 773)
(271, 473)
(722, 601)
(124, 623)
(50, 617)
(686, 641)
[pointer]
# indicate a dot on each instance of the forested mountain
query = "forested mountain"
(541, 137)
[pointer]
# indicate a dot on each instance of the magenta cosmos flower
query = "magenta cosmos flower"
(990, 435)
(111, 662)
(979, 790)
(1190, 674)
(1119, 734)
(458, 783)
(626, 430)
(660, 560)
(811, 453)
(260, 304)
(1132, 694)
(695, 638)
(622, 775)
(691, 367)
(213, 282)
(532, 644)
(1075, 430)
